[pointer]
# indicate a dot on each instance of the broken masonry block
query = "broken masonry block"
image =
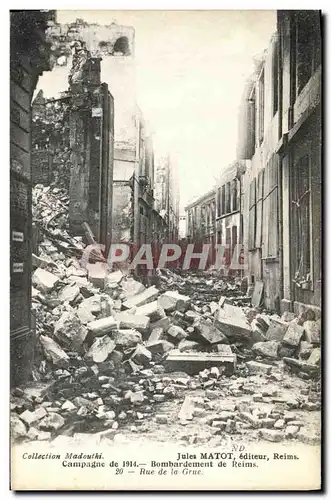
(126, 338)
(30, 417)
(141, 355)
(287, 316)
(263, 320)
(114, 277)
(258, 334)
(137, 397)
(208, 333)
(69, 331)
(223, 349)
(160, 347)
(44, 281)
(102, 326)
(305, 349)
(271, 435)
(163, 323)
(286, 351)
(142, 298)
(53, 352)
(254, 367)
(171, 301)
(155, 336)
(268, 348)
(293, 334)
(191, 316)
(92, 304)
(232, 322)
(153, 310)
(133, 321)
(100, 349)
(315, 357)
(97, 274)
(69, 293)
(276, 330)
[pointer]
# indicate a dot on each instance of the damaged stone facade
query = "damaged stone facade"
(228, 209)
(282, 184)
(201, 218)
(136, 219)
(29, 57)
(269, 199)
(167, 196)
(51, 154)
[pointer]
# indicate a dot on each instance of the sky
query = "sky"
(191, 67)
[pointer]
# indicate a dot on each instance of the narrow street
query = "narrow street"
(166, 249)
(117, 382)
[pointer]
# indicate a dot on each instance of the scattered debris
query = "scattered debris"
(107, 346)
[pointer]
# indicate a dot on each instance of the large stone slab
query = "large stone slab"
(44, 281)
(232, 322)
(194, 362)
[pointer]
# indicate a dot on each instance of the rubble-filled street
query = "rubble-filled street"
(189, 354)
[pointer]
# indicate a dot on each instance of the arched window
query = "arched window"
(122, 46)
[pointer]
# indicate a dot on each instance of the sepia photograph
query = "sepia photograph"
(165, 250)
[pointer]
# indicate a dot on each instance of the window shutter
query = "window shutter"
(259, 205)
(252, 215)
(270, 210)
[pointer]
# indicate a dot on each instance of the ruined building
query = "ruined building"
(229, 219)
(29, 57)
(280, 141)
(112, 48)
(167, 197)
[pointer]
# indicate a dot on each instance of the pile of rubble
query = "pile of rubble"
(110, 350)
